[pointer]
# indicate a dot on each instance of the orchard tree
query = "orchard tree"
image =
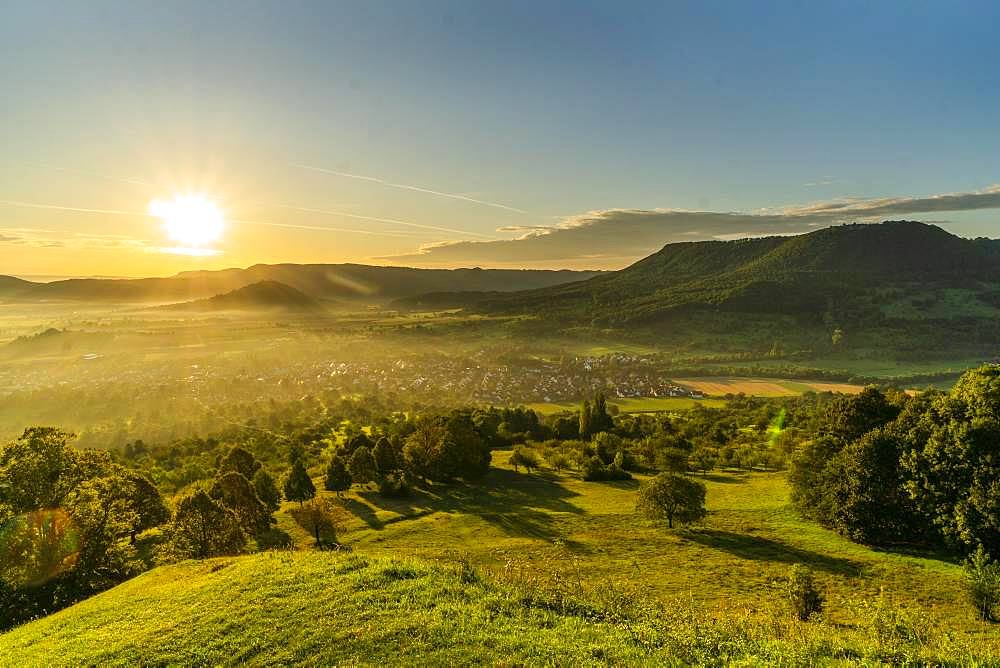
(267, 490)
(672, 497)
(239, 461)
(298, 485)
(322, 518)
(146, 503)
(202, 528)
(338, 479)
(362, 466)
(385, 457)
(237, 493)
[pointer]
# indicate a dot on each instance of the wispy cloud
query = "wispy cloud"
(390, 221)
(403, 186)
(94, 175)
(615, 236)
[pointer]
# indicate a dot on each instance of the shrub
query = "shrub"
(394, 485)
(524, 457)
(802, 594)
(983, 585)
(594, 469)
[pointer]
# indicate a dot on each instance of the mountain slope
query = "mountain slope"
(320, 281)
(799, 275)
(261, 296)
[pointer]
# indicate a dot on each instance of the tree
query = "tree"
(267, 490)
(523, 457)
(600, 420)
(338, 479)
(385, 457)
(421, 447)
(202, 528)
(321, 518)
(38, 470)
(240, 461)
(361, 466)
(236, 493)
(672, 497)
(586, 430)
(146, 503)
(704, 460)
(298, 485)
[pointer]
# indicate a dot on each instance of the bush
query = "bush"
(983, 585)
(802, 593)
(523, 457)
(393, 485)
(595, 470)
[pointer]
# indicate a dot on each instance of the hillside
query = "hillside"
(898, 281)
(261, 296)
(320, 281)
(528, 570)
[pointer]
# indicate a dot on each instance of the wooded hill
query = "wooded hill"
(899, 279)
(319, 281)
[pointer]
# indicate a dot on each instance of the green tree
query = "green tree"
(523, 457)
(672, 497)
(385, 457)
(39, 469)
(298, 485)
(240, 461)
(323, 519)
(267, 490)
(586, 428)
(338, 478)
(146, 503)
(202, 528)
(237, 494)
(362, 466)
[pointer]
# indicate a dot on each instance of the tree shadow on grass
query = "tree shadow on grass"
(363, 512)
(757, 548)
(724, 478)
(519, 504)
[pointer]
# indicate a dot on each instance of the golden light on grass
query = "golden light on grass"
(192, 220)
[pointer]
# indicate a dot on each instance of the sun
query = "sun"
(191, 220)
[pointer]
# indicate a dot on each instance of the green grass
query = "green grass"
(566, 573)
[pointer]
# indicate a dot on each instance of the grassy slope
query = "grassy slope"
(528, 535)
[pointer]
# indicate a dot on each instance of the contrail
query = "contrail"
(134, 182)
(36, 205)
(143, 214)
(391, 221)
(324, 229)
(403, 186)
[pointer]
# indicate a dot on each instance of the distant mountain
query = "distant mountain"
(261, 296)
(9, 285)
(320, 281)
(895, 280)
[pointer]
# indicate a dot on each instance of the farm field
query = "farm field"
(504, 572)
(763, 387)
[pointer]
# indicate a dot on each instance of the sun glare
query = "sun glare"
(190, 220)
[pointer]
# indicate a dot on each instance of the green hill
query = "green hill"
(520, 569)
(261, 296)
(898, 284)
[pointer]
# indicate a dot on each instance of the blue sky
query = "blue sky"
(552, 110)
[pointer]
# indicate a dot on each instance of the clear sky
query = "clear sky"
(492, 134)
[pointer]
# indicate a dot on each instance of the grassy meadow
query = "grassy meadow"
(535, 568)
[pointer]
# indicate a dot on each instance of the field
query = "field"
(539, 568)
(763, 387)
